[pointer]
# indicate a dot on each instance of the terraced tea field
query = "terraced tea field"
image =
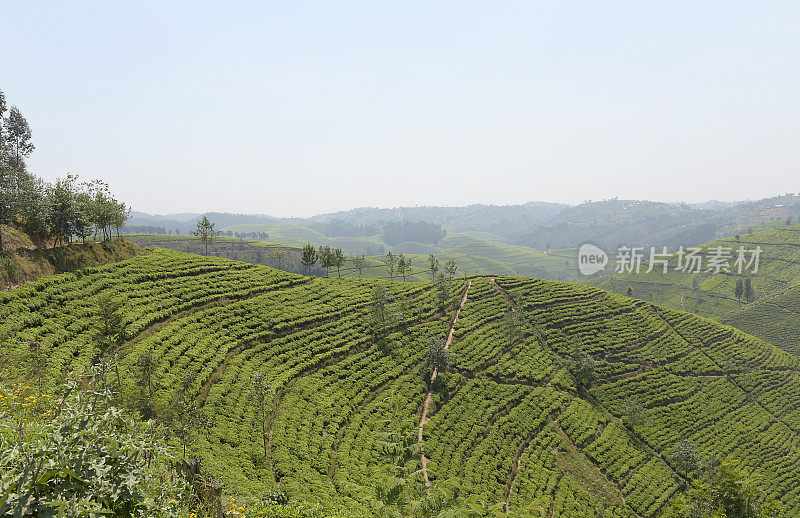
(773, 313)
(507, 421)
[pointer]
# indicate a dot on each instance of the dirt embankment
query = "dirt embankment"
(21, 262)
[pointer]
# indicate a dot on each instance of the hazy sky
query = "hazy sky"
(293, 108)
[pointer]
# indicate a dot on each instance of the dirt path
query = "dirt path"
(429, 396)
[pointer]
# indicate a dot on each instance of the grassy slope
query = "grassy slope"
(507, 422)
(286, 233)
(772, 316)
(25, 263)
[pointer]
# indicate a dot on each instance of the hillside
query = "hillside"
(472, 255)
(22, 262)
(610, 223)
(771, 315)
(507, 421)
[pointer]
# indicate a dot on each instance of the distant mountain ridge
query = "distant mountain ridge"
(538, 225)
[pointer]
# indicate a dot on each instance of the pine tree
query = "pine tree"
(433, 266)
(205, 231)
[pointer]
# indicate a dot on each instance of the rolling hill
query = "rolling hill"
(472, 254)
(507, 421)
(610, 223)
(771, 315)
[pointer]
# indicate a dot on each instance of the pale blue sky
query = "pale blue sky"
(295, 108)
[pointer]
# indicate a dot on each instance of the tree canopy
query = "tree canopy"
(54, 212)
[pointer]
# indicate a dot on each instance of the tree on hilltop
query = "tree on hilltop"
(338, 261)
(309, 257)
(450, 268)
(325, 255)
(433, 266)
(739, 290)
(403, 265)
(205, 231)
(279, 254)
(17, 138)
(390, 260)
(56, 211)
(359, 263)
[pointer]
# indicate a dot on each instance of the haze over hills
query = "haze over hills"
(536, 225)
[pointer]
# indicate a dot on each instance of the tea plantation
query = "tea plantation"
(507, 421)
(771, 312)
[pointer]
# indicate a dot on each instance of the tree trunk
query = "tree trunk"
(264, 437)
(119, 382)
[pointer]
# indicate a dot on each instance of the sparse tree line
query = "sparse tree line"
(58, 211)
(326, 256)
(744, 290)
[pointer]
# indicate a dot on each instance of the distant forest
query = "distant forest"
(412, 231)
